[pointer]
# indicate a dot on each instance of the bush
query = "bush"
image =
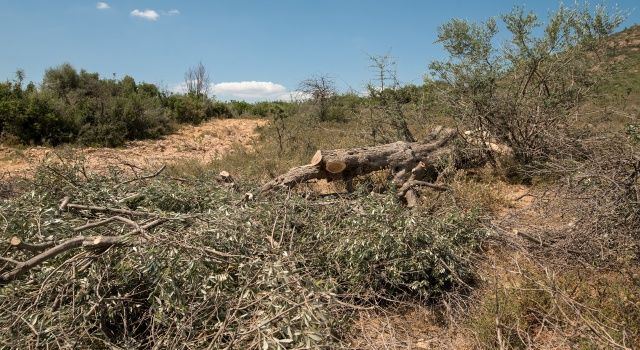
(81, 107)
(264, 109)
(240, 108)
(522, 92)
(30, 118)
(103, 134)
(195, 110)
(123, 119)
(220, 110)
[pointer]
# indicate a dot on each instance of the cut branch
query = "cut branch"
(227, 180)
(16, 242)
(93, 242)
(412, 183)
(63, 203)
(106, 221)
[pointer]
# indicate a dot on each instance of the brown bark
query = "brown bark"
(402, 158)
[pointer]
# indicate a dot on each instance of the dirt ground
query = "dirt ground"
(204, 142)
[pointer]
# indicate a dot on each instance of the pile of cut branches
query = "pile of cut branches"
(165, 262)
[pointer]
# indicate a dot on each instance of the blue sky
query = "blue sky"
(252, 49)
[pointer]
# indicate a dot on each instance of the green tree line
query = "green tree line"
(73, 106)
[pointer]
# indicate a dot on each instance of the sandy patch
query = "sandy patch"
(204, 142)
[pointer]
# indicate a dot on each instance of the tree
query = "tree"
(321, 89)
(384, 67)
(61, 80)
(20, 75)
(197, 81)
(521, 92)
(128, 85)
(386, 101)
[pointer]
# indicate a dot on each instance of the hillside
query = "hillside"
(498, 210)
(626, 61)
(620, 92)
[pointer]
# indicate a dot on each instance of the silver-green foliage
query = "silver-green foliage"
(280, 272)
(522, 90)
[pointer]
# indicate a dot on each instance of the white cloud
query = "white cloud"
(149, 15)
(173, 12)
(102, 6)
(250, 91)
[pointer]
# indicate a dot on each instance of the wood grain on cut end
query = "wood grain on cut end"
(15, 241)
(317, 158)
(336, 167)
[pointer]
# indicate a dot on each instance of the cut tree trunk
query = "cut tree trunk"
(408, 161)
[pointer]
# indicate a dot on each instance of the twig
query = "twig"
(411, 183)
(9, 260)
(158, 172)
(106, 221)
(532, 239)
(109, 210)
(131, 197)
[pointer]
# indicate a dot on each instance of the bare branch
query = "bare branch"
(158, 172)
(32, 247)
(109, 210)
(197, 81)
(321, 88)
(91, 242)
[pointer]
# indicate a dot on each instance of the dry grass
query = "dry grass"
(407, 326)
(525, 304)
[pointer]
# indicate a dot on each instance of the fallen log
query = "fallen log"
(406, 160)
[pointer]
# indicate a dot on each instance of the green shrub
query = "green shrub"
(30, 118)
(264, 109)
(522, 92)
(105, 134)
(240, 108)
(81, 107)
(195, 110)
(220, 110)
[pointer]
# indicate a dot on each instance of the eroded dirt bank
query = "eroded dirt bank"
(204, 142)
